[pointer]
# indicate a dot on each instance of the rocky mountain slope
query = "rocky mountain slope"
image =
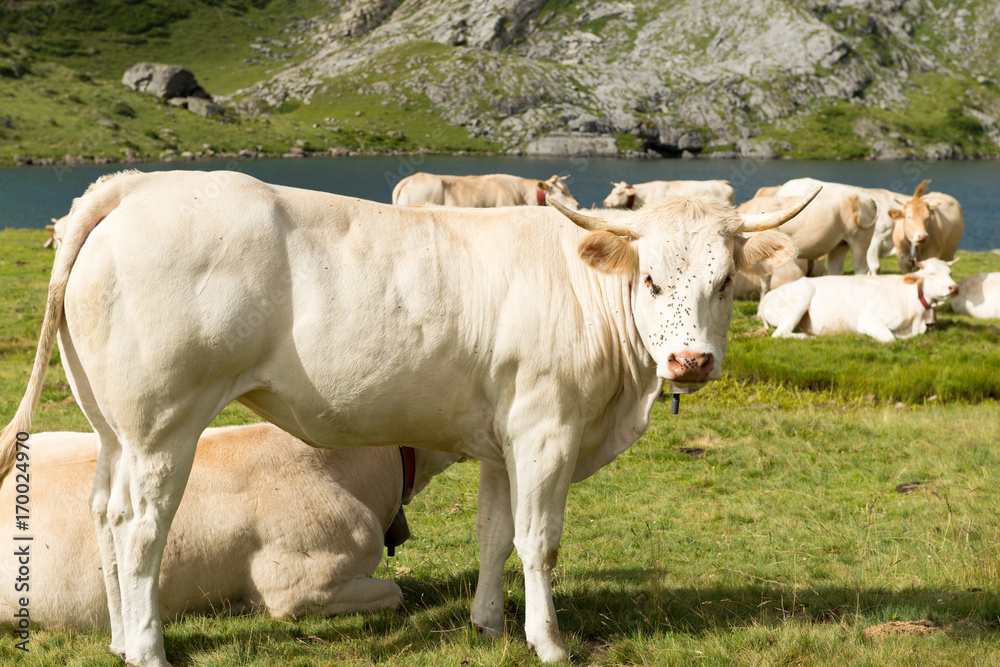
(905, 77)
(723, 78)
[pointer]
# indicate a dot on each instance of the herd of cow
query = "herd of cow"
(534, 337)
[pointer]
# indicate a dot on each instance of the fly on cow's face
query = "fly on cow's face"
(654, 289)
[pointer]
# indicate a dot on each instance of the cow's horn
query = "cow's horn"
(758, 222)
(589, 223)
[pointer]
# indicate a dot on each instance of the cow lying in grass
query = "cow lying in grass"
(883, 307)
(244, 537)
(979, 296)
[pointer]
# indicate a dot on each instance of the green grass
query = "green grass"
(778, 546)
(73, 79)
(936, 113)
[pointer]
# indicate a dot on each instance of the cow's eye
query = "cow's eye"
(654, 289)
(726, 283)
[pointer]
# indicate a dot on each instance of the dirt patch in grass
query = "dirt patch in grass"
(923, 627)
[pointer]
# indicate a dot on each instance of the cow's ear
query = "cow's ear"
(912, 279)
(895, 214)
(543, 186)
(760, 252)
(609, 253)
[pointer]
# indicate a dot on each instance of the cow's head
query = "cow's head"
(934, 276)
(914, 214)
(619, 196)
(555, 189)
(681, 255)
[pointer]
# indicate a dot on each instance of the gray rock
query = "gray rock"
(163, 81)
(104, 122)
(572, 145)
(203, 107)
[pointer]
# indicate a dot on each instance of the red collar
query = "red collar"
(541, 196)
(630, 191)
(920, 295)
(409, 470)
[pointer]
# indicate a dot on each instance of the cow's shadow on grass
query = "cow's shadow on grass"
(606, 606)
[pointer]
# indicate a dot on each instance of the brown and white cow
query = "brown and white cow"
(534, 339)
(883, 307)
(268, 523)
(930, 224)
(636, 196)
(488, 191)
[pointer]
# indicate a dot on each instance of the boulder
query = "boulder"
(163, 81)
(203, 107)
(580, 145)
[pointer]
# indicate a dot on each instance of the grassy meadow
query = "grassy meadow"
(822, 489)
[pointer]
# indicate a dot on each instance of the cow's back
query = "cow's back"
(381, 324)
(487, 191)
(419, 189)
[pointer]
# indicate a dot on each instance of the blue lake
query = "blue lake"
(30, 196)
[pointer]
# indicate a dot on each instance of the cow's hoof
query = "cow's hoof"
(489, 633)
(116, 651)
(550, 653)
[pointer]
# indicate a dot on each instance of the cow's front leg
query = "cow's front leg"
(544, 468)
(495, 533)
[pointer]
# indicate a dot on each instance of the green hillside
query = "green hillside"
(778, 77)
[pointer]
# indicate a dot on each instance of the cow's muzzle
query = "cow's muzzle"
(690, 367)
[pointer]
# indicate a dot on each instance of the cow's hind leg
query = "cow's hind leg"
(362, 595)
(495, 532)
(108, 454)
(145, 494)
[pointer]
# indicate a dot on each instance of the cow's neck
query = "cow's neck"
(920, 296)
(626, 416)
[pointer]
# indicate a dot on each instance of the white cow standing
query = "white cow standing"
(979, 296)
(636, 196)
(534, 342)
(880, 242)
(883, 307)
(268, 523)
(834, 223)
(488, 191)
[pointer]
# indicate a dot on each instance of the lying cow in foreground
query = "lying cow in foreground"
(488, 191)
(268, 523)
(636, 196)
(979, 296)
(883, 307)
(533, 339)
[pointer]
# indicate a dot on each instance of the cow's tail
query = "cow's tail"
(88, 211)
